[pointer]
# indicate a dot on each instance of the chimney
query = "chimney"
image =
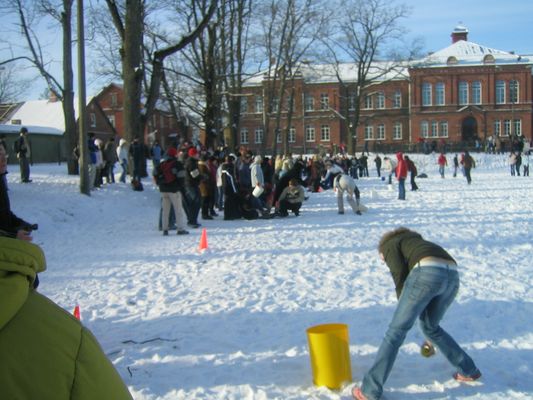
(52, 97)
(460, 33)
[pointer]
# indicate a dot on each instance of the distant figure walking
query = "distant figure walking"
(468, 163)
(23, 152)
(443, 163)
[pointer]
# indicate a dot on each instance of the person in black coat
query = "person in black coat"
(192, 196)
(232, 209)
(377, 161)
(10, 225)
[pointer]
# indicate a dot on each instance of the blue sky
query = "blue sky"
(503, 25)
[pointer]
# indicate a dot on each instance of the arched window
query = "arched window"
(488, 59)
(452, 60)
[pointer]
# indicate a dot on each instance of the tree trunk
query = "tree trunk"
(71, 134)
(131, 68)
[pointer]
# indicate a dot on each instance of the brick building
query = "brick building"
(162, 125)
(460, 94)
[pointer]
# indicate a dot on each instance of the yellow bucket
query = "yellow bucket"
(330, 355)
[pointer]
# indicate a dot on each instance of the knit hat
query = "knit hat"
(258, 159)
(172, 152)
(192, 152)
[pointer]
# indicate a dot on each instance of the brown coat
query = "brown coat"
(206, 188)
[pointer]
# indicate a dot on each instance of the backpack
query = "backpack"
(166, 172)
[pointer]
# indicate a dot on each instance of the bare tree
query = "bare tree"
(12, 88)
(61, 12)
(235, 23)
(289, 30)
(371, 38)
(129, 23)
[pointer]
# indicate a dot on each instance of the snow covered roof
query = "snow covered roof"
(42, 113)
(32, 129)
(466, 53)
(327, 73)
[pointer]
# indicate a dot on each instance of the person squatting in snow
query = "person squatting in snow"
(291, 199)
(427, 281)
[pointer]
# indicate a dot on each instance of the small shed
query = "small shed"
(46, 143)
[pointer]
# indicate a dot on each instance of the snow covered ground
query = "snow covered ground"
(230, 323)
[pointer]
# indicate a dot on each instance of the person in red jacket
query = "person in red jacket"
(443, 162)
(401, 175)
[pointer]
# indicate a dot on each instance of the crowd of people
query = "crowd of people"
(246, 185)
(195, 183)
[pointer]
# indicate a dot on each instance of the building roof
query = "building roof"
(41, 113)
(32, 130)
(327, 73)
(459, 54)
(466, 53)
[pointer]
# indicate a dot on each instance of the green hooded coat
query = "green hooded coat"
(45, 353)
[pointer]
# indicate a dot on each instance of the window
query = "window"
(244, 136)
(275, 104)
(424, 129)
(381, 132)
(439, 94)
(290, 103)
(111, 119)
(292, 135)
(258, 104)
(434, 129)
(369, 132)
(463, 93)
(93, 120)
(309, 103)
(397, 131)
(497, 127)
(397, 102)
(259, 135)
(443, 129)
(426, 94)
(452, 60)
(114, 101)
(309, 134)
(513, 91)
(325, 133)
(476, 92)
(324, 101)
(517, 127)
(380, 100)
(244, 105)
(500, 92)
(278, 135)
(351, 101)
(368, 102)
(507, 127)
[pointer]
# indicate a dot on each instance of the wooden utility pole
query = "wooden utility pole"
(82, 121)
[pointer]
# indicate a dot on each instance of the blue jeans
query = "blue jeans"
(124, 165)
(427, 294)
(401, 188)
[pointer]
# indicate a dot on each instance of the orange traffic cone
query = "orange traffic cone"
(77, 313)
(203, 240)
